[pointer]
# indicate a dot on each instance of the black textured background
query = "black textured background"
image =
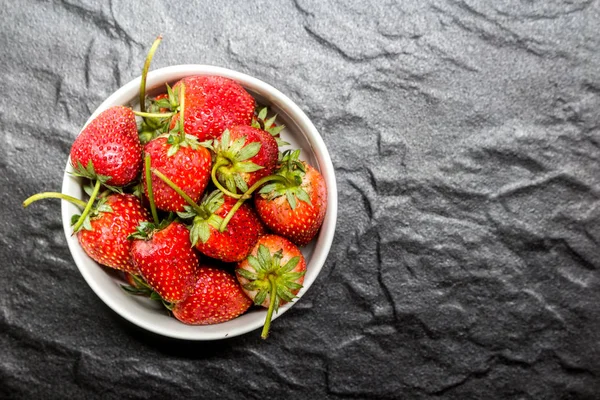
(466, 141)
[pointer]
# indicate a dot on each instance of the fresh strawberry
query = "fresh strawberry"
(183, 161)
(188, 167)
(166, 260)
(217, 297)
(294, 207)
(244, 155)
(233, 244)
(108, 148)
(272, 274)
(214, 103)
(105, 231)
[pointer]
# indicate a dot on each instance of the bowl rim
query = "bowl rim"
(325, 237)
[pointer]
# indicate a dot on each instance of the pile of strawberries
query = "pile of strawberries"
(190, 187)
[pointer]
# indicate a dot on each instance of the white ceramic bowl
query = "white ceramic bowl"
(299, 132)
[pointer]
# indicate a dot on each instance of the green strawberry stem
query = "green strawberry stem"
(248, 195)
(273, 298)
(54, 195)
(145, 72)
(148, 177)
(180, 192)
(153, 115)
(88, 206)
(181, 109)
(213, 175)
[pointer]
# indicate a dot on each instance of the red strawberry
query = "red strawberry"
(109, 148)
(295, 209)
(177, 160)
(272, 274)
(188, 167)
(214, 103)
(217, 297)
(104, 235)
(166, 260)
(236, 242)
(243, 156)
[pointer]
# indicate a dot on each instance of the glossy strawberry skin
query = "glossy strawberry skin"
(167, 262)
(266, 156)
(274, 243)
(107, 242)
(213, 104)
(301, 224)
(217, 297)
(188, 168)
(111, 143)
(238, 239)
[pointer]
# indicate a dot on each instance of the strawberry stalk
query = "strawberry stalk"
(233, 159)
(54, 195)
(213, 175)
(273, 299)
(248, 194)
(145, 72)
(148, 177)
(153, 115)
(177, 137)
(88, 207)
(181, 109)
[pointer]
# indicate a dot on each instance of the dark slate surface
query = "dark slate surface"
(466, 138)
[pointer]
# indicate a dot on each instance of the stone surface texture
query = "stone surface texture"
(466, 140)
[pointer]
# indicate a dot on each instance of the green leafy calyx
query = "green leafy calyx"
(232, 160)
(291, 168)
(203, 217)
(269, 276)
(89, 172)
(262, 121)
(145, 230)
